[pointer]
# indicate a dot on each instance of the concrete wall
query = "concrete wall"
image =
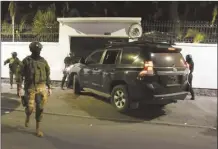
(98, 29)
(204, 55)
(205, 59)
(51, 52)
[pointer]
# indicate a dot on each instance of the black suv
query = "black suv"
(133, 73)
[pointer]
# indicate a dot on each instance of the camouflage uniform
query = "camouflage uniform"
(14, 63)
(32, 89)
(35, 92)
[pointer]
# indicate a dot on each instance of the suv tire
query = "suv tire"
(120, 98)
(76, 85)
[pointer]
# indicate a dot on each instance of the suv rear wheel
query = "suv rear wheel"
(76, 85)
(119, 98)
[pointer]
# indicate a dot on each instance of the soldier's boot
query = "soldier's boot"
(28, 112)
(39, 115)
(11, 86)
(27, 121)
(39, 133)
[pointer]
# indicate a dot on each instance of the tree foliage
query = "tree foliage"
(196, 35)
(6, 28)
(214, 14)
(45, 23)
(12, 10)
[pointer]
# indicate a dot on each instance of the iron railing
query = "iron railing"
(186, 32)
(204, 32)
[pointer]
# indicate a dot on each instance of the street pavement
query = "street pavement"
(69, 133)
(89, 121)
(202, 111)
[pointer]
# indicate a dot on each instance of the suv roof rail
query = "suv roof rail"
(116, 42)
(155, 37)
(137, 43)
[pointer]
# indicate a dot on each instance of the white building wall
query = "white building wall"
(205, 59)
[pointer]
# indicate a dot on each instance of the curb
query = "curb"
(121, 120)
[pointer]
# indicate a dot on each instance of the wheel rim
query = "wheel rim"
(119, 99)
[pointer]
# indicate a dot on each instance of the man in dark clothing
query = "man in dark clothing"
(14, 63)
(67, 62)
(190, 62)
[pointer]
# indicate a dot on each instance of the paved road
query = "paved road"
(202, 111)
(67, 133)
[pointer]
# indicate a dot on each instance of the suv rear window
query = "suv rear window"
(131, 56)
(167, 59)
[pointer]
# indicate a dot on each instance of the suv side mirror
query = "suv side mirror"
(82, 60)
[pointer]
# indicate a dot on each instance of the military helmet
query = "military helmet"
(14, 53)
(35, 46)
(189, 56)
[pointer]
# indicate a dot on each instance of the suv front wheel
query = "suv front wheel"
(119, 98)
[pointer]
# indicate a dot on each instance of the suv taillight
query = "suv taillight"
(148, 69)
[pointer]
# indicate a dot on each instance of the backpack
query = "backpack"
(36, 70)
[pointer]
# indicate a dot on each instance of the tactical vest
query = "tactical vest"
(36, 70)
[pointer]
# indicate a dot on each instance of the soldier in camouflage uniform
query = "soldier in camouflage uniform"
(35, 72)
(14, 63)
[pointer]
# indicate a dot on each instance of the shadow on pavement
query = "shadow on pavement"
(5, 129)
(58, 143)
(100, 107)
(8, 101)
(210, 132)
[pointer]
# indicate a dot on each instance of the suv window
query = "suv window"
(111, 56)
(131, 55)
(94, 58)
(168, 59)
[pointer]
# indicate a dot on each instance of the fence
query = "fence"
(183, 32)
(186, 32)
(27, 33)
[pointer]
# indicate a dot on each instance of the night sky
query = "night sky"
(136, 9)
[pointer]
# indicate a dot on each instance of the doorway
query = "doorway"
(83, 46)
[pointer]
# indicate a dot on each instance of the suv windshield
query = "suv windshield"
(167, 59)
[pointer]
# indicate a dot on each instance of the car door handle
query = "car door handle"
(95, 68)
